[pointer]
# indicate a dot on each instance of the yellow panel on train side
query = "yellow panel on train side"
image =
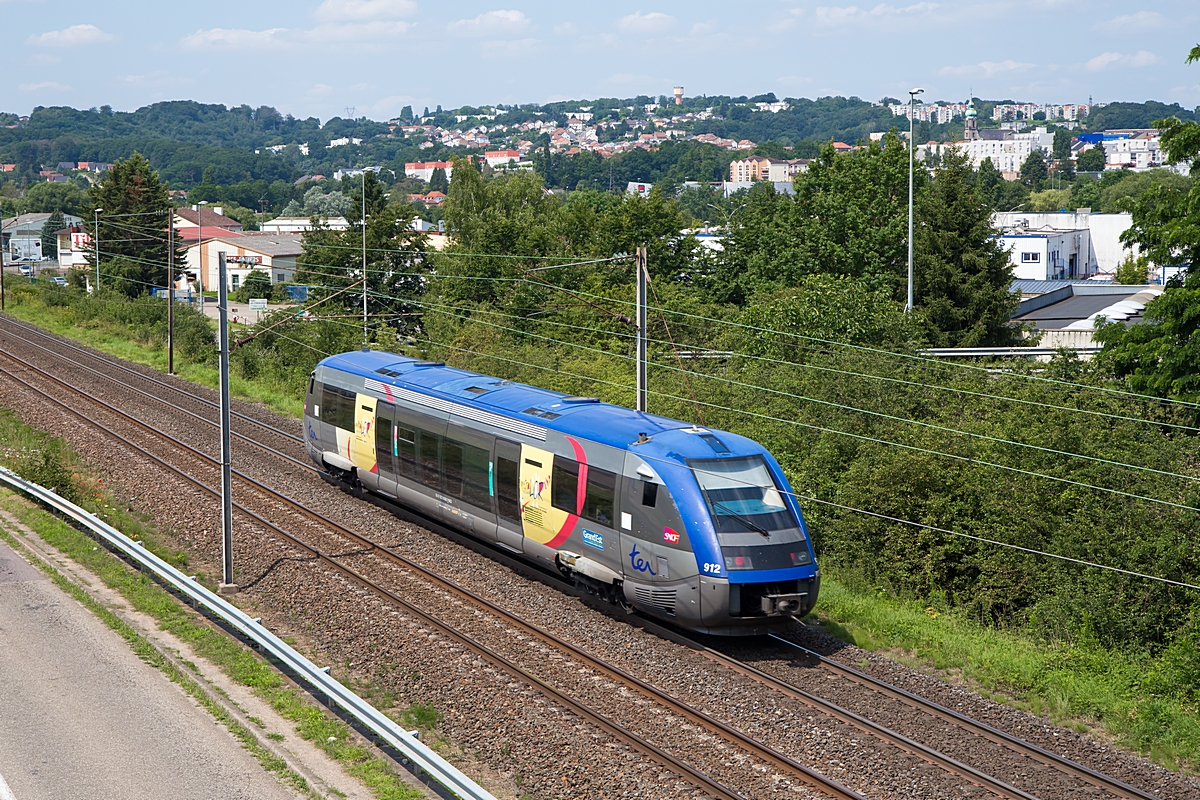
(540, 521)
(362, 440)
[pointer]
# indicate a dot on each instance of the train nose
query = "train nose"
(789, 604)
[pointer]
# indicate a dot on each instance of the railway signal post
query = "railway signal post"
(227, 586)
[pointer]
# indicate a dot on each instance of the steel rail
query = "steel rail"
(108, 360)
(981, 729)
(371, 718)
(759, 749)
(948, 763)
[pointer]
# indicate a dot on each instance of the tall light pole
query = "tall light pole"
(366, 339)
(912, 96)
(96, 243)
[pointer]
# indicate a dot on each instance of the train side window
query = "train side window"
(312, 383)
(564, 485)
(476, 471)
(383, 439)
(508, 489)
(601, 493)
(649, 493)
(452, 467)
(405, 447)
(346, 409)
(427, 448)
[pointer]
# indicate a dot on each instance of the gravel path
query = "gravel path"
(504, 721)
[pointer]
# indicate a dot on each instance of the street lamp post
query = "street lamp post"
(96, 243)
(912, 96)
(366, 337)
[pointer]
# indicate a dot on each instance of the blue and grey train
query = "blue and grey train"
(692, 525)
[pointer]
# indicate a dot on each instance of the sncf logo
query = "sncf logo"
(670, 536)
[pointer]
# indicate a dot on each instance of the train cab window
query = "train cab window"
(337, 406)
(452, 467)
(649, 493)
(428, 446)
(329, 403)
(600, 497)
(564, 485)
(508, 498)
(404, 445)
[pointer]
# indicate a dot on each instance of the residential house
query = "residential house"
(302, 224)
(205, 216)
(498, 158)
(274, 253)
(761, 168)
(424, 169)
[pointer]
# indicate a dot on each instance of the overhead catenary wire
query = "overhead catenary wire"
(883, 415)
(798, 496)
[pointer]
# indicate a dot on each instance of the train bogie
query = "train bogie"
(683, 523)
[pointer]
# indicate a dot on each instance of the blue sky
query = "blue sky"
(319, 57)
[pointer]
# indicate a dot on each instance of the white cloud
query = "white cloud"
(356, 31)
(233, 39)
(490, 23)
(71, 37)
(502, 50)
(341, 10)
(1141, 21)
(654, 22)
(794, 15)
(566, 29)
(275, 38)
(37, 87)
(838, 15)
(1142, 58)
(705, 28)
(988, 69)
(319, 90)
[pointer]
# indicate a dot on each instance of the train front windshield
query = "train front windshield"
(742, 497)
(754, 525)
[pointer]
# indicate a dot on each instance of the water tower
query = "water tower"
(678, 95)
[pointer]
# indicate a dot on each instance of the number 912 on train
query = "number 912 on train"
(692, 525)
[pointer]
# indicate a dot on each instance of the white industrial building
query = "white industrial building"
(1098, 251)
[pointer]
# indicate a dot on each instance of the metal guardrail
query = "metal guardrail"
(371, 718)
(1004, 352)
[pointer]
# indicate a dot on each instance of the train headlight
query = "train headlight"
(738, 562)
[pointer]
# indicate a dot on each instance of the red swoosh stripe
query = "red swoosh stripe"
(569, 525)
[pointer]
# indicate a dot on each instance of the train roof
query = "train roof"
(584, 417)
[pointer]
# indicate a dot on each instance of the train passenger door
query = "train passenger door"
(506, 476)
(467, 480)
(386, 446)
(362, 441)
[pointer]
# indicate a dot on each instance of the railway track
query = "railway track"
(976, 777)
(636, 740)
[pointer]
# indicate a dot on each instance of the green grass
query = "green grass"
(1081, 686)
(23, 446)
(113, 338)
(237, 661)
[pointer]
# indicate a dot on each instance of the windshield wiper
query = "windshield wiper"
(752, 525)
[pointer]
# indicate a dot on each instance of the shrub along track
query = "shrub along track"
(1044, 783)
